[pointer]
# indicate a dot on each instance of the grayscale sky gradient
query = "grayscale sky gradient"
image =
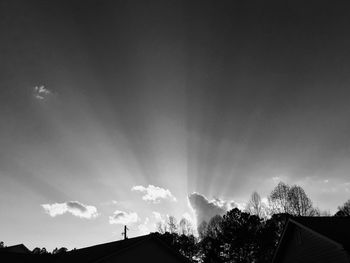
(121, 109)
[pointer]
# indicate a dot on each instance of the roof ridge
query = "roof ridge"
(317, 233)
(125, 248)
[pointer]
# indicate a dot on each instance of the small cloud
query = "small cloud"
(154, 193)
(326, 181)
(123, 218)
(143, 228)
(73, 207)
(41, 92)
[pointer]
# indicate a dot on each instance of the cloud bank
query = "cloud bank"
(153, 193)
(73, 207)
(123, 218)
(205, 209)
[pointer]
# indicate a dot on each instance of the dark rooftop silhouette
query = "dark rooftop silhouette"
(334, 228)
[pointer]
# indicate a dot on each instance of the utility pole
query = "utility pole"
(125, 231)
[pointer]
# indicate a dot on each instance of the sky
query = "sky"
(125, 112)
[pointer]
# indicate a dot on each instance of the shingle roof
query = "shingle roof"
(97, 252)
(335, 228)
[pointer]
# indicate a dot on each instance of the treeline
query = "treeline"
(43, 251)
(250, 235)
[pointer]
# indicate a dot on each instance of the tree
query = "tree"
(185, 227)
(240, 235)
(299, 203)
(344, 210)
(278, 198)
(291, 200)
(59, 250)
(269, 236)
(255, 206)
(161, 227)
(214, 226)
(202, 229)
(187, 246)
(172, 224)
(2, 245)
(36, 250)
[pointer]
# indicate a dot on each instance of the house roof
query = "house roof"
(20, 248)
(101, 251)
(334, 229)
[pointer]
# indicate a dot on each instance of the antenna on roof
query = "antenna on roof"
(125, 231)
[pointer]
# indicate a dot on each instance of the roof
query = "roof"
(20, 248)
(334, 229)
(101, 251)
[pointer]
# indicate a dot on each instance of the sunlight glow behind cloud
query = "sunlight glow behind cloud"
(73, 207)
(205, 209)
(154, 193)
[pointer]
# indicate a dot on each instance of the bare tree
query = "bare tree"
(291, 200)
(299, 203)
(172, 224)
(185, 227)
(278, 199)
(161, 227)
(344, 210)
(255, 206)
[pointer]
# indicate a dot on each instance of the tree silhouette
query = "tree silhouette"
(214, 227)
(202, 229)
(291, 200)
(344, 210)
(278, 199)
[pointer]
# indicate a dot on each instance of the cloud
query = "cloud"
(41, 92)
(143, 228)
(205, 209)
(154, 193)
(73, 207)
(123, 218)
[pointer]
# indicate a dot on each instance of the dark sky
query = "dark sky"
(217, 97)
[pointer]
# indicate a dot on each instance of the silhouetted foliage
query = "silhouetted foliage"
(36, 250)
(202, 229)
(344, 210)
(58, 251)
(241, 237)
